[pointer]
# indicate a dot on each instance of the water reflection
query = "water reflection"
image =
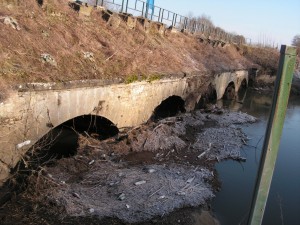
(232, 204)
(252, 102)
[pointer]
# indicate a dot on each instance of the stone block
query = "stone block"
(185, 31)
(157, 27)
(106, 14)
(173, 30)
(83, 9)
(100, 8)
(161, 28)
(113, 19)
(86, 10)
(128, 19)
(144, 22)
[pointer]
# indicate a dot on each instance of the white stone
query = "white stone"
(21, 145)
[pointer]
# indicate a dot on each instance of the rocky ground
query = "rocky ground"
(144, 173)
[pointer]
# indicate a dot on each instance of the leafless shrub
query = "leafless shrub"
(32, 163)
(204, 25)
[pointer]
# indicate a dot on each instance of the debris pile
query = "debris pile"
(131, 194)
(100, 181)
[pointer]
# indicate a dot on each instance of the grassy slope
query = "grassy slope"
(56, 29)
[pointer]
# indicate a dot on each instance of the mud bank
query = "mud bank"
(143, 173)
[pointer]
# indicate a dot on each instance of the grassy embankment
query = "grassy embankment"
(87, 48)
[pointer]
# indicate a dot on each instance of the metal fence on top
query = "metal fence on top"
(140, 8)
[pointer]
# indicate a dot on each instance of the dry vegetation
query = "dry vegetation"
(57, 30)
(264, 58)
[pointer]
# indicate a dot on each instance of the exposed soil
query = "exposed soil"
(142, 174)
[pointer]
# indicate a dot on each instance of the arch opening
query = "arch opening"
(252, 76)
(169, 107)
(209, 97)
(251, 82)
(230, 92)
(61, 142)
(65, 137)
(242, 91)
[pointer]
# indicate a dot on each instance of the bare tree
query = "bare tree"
(296, 41)
(204, 25)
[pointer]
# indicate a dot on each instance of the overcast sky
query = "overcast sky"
(275, 20)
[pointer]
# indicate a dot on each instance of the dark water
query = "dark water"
(232, 203)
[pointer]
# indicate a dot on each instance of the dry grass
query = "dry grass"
(265, 80)
(266, 58)
(57, 30)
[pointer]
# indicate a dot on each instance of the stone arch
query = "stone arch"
(252, 76)
(93, 124)
(209, 96)
(62, 140)
(241, 94)
(230, 91)
(169, 107)
(244, 83)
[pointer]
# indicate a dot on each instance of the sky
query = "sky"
(275, 21)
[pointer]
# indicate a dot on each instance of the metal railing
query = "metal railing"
(140, 8)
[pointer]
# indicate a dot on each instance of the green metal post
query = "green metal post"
(273, 134)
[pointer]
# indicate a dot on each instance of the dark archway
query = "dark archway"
(210, 96)
(62, 141)
(169, 107)
(230, 92)
(252, 74)
(251, 82)
(244, 83)
(243, 89)
(59, 142)
(96, 126)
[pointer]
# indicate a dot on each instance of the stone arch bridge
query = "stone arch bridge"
(32, 111)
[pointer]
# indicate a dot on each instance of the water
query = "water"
(232, 203)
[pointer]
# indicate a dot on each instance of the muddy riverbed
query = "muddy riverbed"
(144, 175)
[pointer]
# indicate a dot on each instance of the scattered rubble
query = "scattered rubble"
(47, 58)
(10, 21)
(89, 56)
(154, 194)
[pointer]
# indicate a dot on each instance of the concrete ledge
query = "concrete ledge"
(173, 30)
(129, 20)
(106, 14)
(83, 9)
(157, 27)
(185, 31)
(144, 22)
(202, 38)
(66, 85)
(113, 19)
(151, 27)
